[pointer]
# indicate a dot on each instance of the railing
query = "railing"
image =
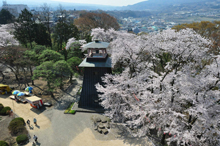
(97, 57)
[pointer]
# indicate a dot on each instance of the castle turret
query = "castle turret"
(96, 64)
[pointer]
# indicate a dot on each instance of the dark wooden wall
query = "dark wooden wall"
(89, 95)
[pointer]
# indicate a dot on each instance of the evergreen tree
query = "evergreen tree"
(24, 28)
(27, 31)
(6, 17)
(63, 31)
(41, 37)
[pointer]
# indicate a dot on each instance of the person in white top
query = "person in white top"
(35, 138)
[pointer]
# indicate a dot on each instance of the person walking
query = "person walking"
(35, 138)
(10, 113)
(35, 121)
(28, 122)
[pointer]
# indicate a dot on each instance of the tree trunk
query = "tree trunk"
(3, 76)
(51, 93)
(163, 139)
(31, 45)
(71, 76)
(49, 31)
(32, 81)
(25, 77)
(61, 83)
(65, 54)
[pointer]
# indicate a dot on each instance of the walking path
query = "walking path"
(59, 129)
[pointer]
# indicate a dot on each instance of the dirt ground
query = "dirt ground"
(39, 87)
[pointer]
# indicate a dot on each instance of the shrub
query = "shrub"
(1, 106)
(20, 119)
(39, 49)
(3, 143)
(16, 126)
(23, 138)
(4, 110)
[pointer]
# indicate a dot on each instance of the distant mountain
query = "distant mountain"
(153, 5)
(66, 5)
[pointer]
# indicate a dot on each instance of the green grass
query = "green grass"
(79, 91)
(68, 110)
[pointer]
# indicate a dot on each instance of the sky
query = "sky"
(105, 2)
(100, 2)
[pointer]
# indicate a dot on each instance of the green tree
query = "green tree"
(6, 17)
(45, 18)
(30, 61)
(41, 36)
(74, 63)
(50, 55)
(39, 49)
(63, 31)
(27, 31)
(24, 28)
(34, 54)
(62, 69)
(46, 72)
(3, 143)
(75, 51)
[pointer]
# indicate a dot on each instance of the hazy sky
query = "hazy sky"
(101, 2)
(104, 2)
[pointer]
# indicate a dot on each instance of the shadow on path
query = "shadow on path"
(69, 96)
(37, 126)
(36, 144)
(124, 134)
(38, 111)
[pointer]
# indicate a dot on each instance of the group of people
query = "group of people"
(35, 122)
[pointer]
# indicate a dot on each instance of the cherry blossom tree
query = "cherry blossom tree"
(6, 38)
(73, 42)
(181, 103)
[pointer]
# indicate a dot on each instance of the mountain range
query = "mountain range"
(151, 5)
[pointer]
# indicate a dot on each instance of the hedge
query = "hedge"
(21, 139)
(16, 126)
(4, 110)
(1, 106)
(19, 119)
(3, 143)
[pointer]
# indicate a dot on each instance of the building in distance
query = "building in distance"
(14, 9)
